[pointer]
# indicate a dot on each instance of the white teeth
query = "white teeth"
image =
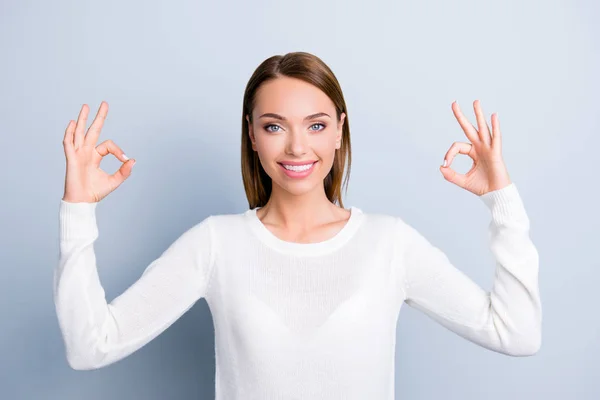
(297, 168)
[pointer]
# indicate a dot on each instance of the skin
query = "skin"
(85, 181)
(488, 172)
(298, 210)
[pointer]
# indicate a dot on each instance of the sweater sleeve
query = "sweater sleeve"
(507, 319)
(97, 333)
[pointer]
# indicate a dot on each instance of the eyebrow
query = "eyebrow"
(279, 117)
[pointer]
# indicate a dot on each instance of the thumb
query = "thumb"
(125, 171)
(452, 176)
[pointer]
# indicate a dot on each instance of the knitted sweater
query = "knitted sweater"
(300, 320)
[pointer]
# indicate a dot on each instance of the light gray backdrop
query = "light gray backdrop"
(174, 75)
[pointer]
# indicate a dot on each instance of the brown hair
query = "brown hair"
(311, 69)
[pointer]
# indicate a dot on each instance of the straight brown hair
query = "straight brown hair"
(313, 70)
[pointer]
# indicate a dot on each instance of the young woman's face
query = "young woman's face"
(300, 127)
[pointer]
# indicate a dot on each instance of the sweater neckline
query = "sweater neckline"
(305, 249)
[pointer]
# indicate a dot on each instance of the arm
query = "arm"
(506, 320)
(97, 334)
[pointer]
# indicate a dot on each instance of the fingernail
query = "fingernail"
(445, 163)
(125, 157)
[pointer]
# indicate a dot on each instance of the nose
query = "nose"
(296, 143)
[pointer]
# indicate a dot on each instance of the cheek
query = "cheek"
(325, 146)
(268, 151)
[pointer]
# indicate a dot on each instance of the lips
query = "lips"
(298, 174)
(296, 163)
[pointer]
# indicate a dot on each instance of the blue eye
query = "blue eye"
(266, 127)
(323, 125)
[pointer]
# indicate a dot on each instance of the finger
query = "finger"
(91, 138)
(452, 176)
(458, 147)
(497, 135)
(68, 139)
(108, 146)
(123, 173)
(466, 126)
(80, 128)
(484, 130)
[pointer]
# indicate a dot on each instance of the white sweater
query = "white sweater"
(297, 320)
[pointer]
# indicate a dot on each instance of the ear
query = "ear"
(251, 133)
(338, 138)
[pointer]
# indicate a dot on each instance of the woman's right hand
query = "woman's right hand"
(85, 181)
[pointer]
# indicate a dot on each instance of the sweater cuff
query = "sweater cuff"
(77, 220)
(504, 204)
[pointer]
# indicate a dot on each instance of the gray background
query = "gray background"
(174, 75)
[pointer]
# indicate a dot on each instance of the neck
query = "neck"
(298, 212)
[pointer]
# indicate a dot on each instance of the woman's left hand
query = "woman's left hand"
(488, 172)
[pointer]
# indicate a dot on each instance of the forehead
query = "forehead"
(292, 98)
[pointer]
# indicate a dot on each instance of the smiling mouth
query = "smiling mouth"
(298, 168)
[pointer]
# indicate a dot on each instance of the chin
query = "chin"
(296, 190)
(298, 186)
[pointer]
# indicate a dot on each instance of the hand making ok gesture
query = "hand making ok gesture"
(85, 181)
(488, 172)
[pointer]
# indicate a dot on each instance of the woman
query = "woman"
(304, 293)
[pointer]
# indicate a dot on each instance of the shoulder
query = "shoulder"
(209, 226)
(226, 227)
(394, 226)
(224, 221)
(381, 222)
